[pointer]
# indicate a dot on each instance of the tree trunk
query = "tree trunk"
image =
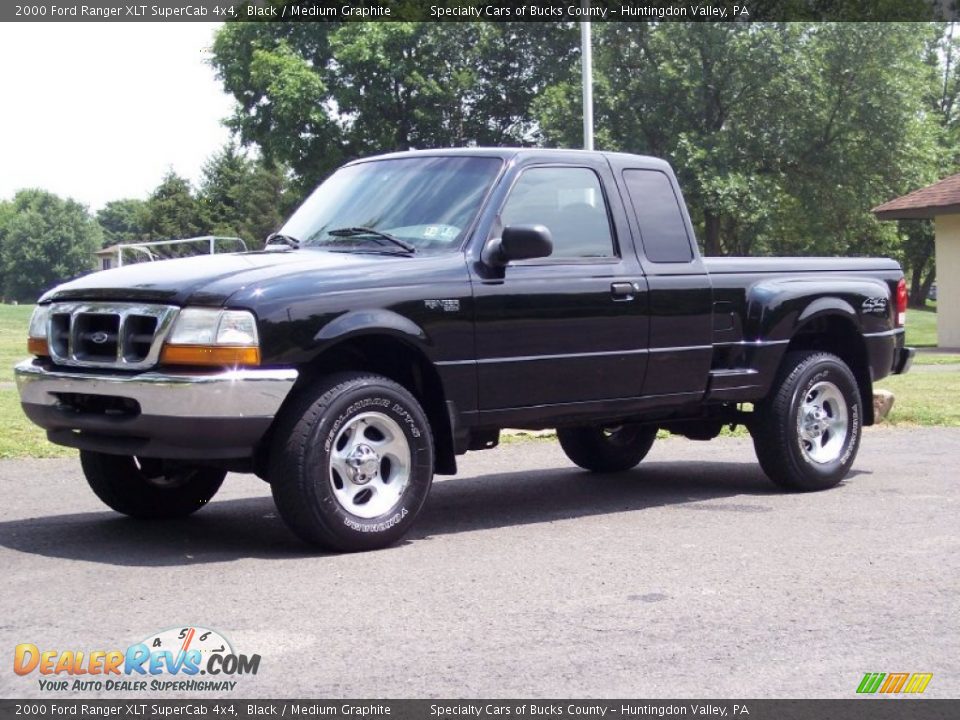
(711, 232)
(927, 282)
(918, 287)
(916, 280)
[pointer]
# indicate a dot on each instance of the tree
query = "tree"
(242, 197)
(943, 104)
(44, 240)
(123, 221)
(6, 215)
(403, 85)
(783, 135)
(311, 96)
(860, 135)
(917, 253)
(172, 211)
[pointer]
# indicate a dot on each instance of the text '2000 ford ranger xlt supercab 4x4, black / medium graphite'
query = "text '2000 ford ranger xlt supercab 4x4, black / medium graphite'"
(418, 303)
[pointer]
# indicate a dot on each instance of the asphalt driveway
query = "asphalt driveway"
(691, 576)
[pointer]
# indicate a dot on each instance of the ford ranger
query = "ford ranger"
(416, 304)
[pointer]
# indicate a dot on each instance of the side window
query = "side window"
(570, 202)
(659, 216)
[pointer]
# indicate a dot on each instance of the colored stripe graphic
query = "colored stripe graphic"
(870, 682)
(894, 683)
(918, 682)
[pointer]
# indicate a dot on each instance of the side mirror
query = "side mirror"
(520, 242)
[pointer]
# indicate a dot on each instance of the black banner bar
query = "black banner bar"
(874, 708)
(475, 10)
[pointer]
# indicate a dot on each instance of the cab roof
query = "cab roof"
(517, 153)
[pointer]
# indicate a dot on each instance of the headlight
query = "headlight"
(212, 337)
(237, 327)
(37, 333)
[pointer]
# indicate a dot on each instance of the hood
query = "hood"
(206, 280)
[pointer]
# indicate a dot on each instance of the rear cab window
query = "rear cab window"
(659, 216)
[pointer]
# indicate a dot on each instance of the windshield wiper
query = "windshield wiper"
(281, 239)
(376, 234)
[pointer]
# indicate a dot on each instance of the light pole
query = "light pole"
(586, 65)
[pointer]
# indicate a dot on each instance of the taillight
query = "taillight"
(901, 303)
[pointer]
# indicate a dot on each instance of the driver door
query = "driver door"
(572, 327)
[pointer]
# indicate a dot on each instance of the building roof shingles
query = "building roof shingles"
(941, 198)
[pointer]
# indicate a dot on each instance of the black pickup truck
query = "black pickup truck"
(416, 304)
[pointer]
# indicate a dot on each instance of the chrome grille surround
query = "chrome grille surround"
(124, 336)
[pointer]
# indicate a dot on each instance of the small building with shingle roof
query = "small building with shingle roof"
(940, 202)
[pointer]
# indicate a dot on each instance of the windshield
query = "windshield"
(428, 202)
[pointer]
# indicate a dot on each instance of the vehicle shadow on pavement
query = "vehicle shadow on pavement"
(509, 499)
(223, 531)
(250, 528)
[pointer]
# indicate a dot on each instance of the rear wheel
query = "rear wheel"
(352, 463)
(607, 449)
(807, 432)
(149, 488)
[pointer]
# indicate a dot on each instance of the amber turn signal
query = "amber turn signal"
(221, 355)
(38, 347)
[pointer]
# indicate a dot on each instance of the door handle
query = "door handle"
(623, 291)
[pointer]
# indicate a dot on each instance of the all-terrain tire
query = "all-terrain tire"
(807, 432)
(607, 449)
(351, 463)
(149, 488)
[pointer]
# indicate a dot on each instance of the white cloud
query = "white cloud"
(100, 111)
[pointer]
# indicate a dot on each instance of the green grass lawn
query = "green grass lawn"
(922, 326)
(921, 398)
(21, 438)
(931, 398)
(13, 337)
(936, 359)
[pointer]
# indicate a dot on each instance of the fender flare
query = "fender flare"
(356, 323)
(827, 306)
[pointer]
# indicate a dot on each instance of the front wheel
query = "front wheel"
(607, 449)
(149, 488)
(352, 463)
(807, 432)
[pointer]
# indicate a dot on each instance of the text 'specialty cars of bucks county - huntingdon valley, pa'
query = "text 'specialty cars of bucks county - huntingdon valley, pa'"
(418, 303)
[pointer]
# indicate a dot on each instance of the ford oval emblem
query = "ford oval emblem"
(100, 337)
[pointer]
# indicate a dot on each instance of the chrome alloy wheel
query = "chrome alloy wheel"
(823, 423)
(369, 465)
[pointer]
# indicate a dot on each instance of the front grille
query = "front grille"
(120, 335)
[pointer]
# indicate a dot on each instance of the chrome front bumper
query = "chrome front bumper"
(154, 414)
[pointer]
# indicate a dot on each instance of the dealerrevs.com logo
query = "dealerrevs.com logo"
(186, 659)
